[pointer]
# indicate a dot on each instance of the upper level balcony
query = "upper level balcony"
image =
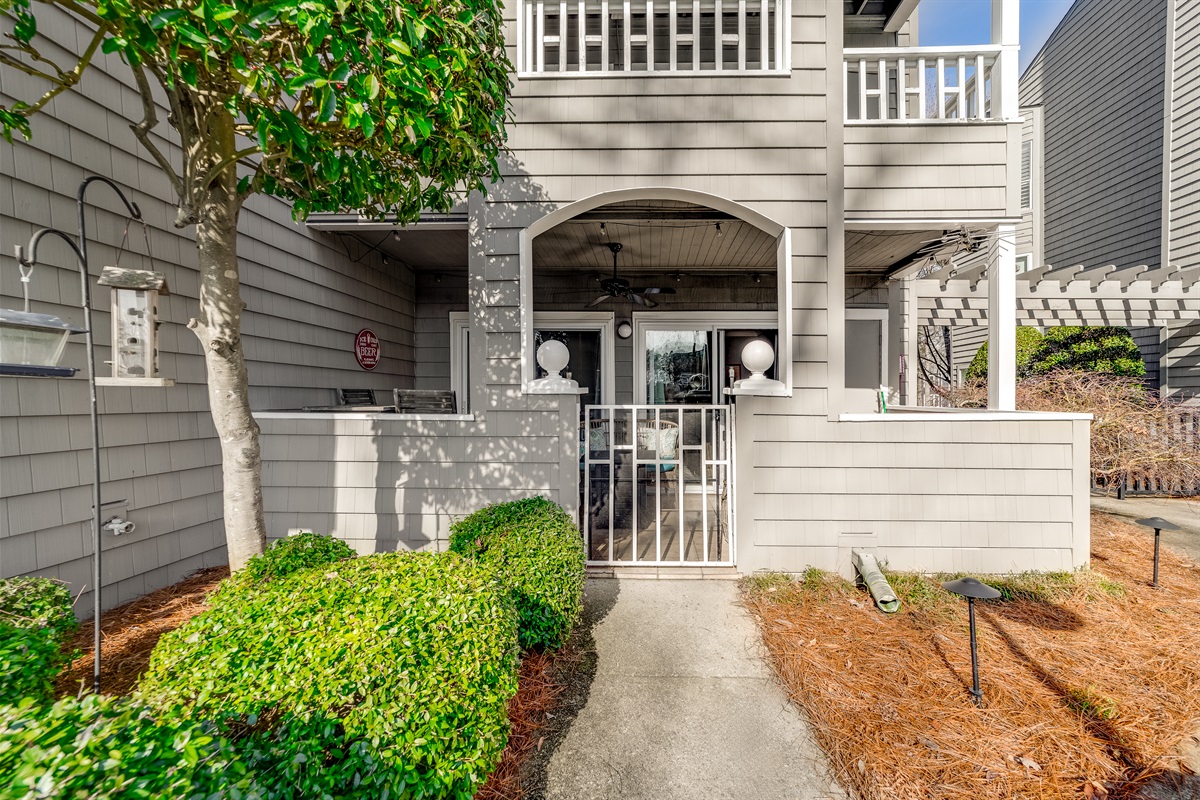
(606, 38)
(931, 133)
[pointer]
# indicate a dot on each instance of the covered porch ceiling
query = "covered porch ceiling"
(1131, 297)
(436, 244)
(656, 237)
(884, 252)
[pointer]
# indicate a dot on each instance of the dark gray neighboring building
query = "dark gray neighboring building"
(1112, 154)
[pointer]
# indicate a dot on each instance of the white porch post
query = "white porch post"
(903, 316)
(1006, 22)
(1002, 320)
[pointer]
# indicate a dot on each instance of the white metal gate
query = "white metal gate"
(657, 484)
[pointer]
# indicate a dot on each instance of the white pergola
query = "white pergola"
(1130, 297)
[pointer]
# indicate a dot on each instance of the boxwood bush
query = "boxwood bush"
(387, 675)
(36, 620)
(104, 747)
(302, 551)
(537, 552)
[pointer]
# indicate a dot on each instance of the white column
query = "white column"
(1002, 320)
(903, 316)
(1006, 23)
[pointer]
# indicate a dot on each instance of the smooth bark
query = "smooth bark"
(218, 327)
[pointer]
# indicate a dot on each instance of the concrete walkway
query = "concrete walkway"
(682, 704)
(1184, 512)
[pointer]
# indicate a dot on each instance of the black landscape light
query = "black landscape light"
(973, 590)
(1159, 524)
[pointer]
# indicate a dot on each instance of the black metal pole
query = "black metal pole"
(975, 690)
(86, 291)
(1157, 531)
(79, 245)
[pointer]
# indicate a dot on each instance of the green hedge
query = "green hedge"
(104, 747)
(287, 556)
(387, 675)
(36, 622)
(1083, 348)
(537, 552)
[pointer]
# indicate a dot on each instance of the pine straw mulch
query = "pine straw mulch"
(129, 632)
(1090, 680)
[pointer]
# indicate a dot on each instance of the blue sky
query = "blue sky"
(969, 22)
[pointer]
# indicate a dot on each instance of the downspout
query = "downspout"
(867, 566)
(1168, 104)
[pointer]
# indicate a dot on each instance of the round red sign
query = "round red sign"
(366, 349)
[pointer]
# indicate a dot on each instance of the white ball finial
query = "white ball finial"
(758, 356)
(553, 356)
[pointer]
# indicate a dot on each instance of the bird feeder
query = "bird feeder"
(135, 320)
(31, 345)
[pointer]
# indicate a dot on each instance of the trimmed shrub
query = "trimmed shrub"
(1110, 351)
(1028, 341)
(1090, 349)
(302, 551)
(387, 675)
(105, 747)
(36, 620)
(537, 552)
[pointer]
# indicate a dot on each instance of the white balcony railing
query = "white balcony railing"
(913, 84)
(673, 37)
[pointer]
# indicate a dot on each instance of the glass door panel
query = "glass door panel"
(679, 367)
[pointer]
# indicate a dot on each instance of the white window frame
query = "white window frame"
(460, 359)
(1024, 262)
(880, 314)
(602, 321)
(1032, 145)
(712, 321)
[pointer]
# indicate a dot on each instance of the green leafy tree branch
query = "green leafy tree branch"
(387, 107)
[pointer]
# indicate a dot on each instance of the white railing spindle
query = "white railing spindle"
(605, 24)
(764, 39)
(980, 85)
(541, 37)
(628, 31)
(650, 35)
(741, 42)
(696, 35)
(941, 87)
(719, 38)
(901, 90)
(674, 33)
(562, 36)
(582, 37)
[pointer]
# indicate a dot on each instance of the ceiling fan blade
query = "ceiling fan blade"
(599, 300)
(642, 301)
(654, 290)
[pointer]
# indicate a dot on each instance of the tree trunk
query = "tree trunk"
(218, 327)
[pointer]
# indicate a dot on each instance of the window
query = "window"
(1026, 175)
(1024, 263)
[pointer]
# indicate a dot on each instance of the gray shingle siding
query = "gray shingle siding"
(305, 301)
(1103, 132)
(1185, 139)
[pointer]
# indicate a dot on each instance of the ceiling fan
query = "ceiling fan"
(615, 288)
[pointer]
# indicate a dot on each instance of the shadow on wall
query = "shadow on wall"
(428, 473)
